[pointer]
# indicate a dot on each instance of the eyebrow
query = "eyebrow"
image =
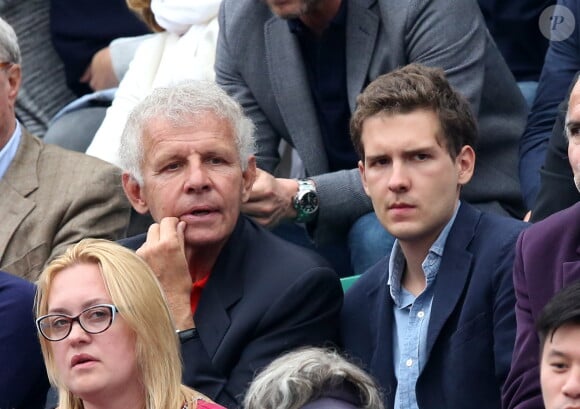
(556, 353)
(84, 306)
(571, 124)
(406, 152)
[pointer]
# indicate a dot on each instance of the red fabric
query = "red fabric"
(196, 289)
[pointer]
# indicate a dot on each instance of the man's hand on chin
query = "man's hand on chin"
(164, 251)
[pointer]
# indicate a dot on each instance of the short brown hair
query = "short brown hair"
(413, 87)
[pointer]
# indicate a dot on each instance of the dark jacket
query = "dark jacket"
(472, 324)
(265, 296)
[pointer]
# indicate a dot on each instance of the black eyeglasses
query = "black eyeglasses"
(93, 320)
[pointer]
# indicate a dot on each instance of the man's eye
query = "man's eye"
(172, 166)
(421, 156)
(380, 162)
(216, 161)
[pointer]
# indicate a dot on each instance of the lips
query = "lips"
(401, 206)
(199, 211)
(80, 359)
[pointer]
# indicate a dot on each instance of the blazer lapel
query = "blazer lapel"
(362, 26)
(223, 289)
(453, 272)
(19, 181)
(381, 318)
(292, 93)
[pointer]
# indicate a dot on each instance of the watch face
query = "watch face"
(309, 202)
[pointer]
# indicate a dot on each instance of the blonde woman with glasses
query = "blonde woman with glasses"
(106, 333)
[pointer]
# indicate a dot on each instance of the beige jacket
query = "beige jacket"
(51, 198)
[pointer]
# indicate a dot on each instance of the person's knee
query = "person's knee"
(368, 242)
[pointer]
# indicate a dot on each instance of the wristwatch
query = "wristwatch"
(305, 202)
(186, 334)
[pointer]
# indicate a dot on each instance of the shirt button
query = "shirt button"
(409, 362)
(420, 314)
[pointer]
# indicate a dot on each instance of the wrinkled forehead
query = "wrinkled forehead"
(161, 127)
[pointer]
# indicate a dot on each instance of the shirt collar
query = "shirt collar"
(397, 259)
(8, 152)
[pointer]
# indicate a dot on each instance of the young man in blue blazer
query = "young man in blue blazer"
(433, 322)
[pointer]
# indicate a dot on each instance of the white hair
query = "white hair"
(178, 103)
(9, 50)
(304, 375)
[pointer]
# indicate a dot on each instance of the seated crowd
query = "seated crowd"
(197, 265)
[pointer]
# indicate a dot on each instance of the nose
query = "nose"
(77, 333)
(197, 179)
(398, 178)
(571, 387)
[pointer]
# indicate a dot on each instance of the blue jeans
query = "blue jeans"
(528, 89)
(367, 242)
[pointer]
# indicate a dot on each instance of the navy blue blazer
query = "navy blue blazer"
(23, 380)
(265, 296)
(472, 326)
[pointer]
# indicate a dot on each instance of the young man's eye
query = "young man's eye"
(379, 162)
(421, 156)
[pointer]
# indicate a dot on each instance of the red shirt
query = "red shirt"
(196, 289)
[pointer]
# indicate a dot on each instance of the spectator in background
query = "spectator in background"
(183, 48)
(23, 381)
(558, 328)
(91, 40)
(557, 190)
(513, 24)
(83, 33)
(561, 64)
(296, 67)
(50, 197)
(547, 259)
(312, 378)
(43, 90)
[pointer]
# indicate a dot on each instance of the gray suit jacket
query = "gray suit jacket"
(259, 63)
(51, 198)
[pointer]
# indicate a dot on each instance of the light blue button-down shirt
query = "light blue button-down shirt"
(412, 318)
(8, 152)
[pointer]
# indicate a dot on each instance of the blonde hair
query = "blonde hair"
(135, 290)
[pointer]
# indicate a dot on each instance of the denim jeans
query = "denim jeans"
(367, 242)
(528, 89)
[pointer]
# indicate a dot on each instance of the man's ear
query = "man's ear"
(134, 193)
(14, 79)
(249, 176)
(361, 169)
(465, 162)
